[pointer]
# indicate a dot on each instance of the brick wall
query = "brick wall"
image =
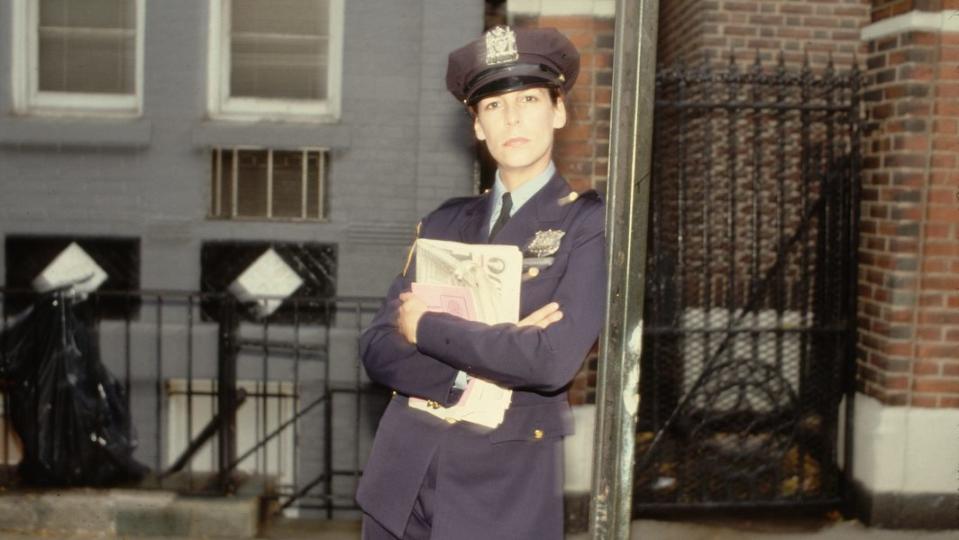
(581, 150)
(680, 30)
(697, 29)
(582, 147)
(909, 276)
(909, 254)
(400, 148)
(689, 29)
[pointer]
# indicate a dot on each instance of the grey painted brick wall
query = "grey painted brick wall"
(402, 145)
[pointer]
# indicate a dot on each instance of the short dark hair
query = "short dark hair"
(555, 92)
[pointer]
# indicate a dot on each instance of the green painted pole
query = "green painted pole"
(627, 211)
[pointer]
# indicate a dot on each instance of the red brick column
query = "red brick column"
(909, 254)
(907, 404)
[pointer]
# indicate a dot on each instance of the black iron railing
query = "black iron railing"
(750, 292)
(222, 400)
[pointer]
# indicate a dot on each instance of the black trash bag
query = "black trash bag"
(70, 412)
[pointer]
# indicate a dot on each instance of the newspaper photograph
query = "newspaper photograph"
(479, 282)
(492, 273)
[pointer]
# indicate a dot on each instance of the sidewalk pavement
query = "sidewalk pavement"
(666, 530)
(757, 530)
(641, 530)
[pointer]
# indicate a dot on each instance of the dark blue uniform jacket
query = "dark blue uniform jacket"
(505, 482)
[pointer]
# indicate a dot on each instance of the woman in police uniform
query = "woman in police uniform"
(427, 478)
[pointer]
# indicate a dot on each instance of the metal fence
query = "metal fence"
(750, 294)
(222, 400)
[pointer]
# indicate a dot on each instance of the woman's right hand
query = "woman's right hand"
(543, 316)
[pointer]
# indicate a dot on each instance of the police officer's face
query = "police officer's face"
(518, 130)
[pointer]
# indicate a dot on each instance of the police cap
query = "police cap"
(507, 59)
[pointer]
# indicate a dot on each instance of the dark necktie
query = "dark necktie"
(503, 216)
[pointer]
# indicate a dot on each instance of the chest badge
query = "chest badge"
(545, 243)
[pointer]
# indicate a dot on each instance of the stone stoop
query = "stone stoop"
(120, 513)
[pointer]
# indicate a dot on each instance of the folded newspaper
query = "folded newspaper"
(479, 282)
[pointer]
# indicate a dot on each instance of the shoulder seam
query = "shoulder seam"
(457, 200)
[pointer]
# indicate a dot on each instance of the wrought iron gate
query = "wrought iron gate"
(222, 397)
(750, 313)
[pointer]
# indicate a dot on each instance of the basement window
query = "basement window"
(270, 184)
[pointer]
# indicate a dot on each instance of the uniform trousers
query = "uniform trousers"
(420, 524)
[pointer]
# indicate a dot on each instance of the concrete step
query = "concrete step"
(126, 513)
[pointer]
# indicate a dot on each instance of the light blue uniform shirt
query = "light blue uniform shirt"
(519, 195)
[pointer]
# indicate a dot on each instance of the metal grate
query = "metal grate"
(216, 402)
(750, 287)
(266, 183)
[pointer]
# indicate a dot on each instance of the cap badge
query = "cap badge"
(501, 46)
(545, 243)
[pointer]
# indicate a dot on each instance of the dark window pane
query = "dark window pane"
(314, 193)
(215, 193)
(279, 49)
(309, 17)
(88, 13)
(251, 183)
(89, 48)
(226, 183)
(279, 70)
(288, 184)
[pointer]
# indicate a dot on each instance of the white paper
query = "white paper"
(72, 266)
(492, 275)
(267, 281)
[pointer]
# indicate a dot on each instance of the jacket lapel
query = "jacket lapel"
(476, 215)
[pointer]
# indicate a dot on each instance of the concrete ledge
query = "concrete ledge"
(913, 21)
(79, 510)
(75, 132)
(270, 134)
(936, 511)
(18, 514)
(127, 513)
(907, 450)
(220, 517)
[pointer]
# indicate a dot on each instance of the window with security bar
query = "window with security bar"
(273, 184)
(78, 56)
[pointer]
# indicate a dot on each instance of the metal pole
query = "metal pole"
(617, 383)
(226, 389)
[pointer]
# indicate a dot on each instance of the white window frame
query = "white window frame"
(222, 106)
(28, 99)
(216, 211)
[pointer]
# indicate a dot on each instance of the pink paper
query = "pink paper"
(446, 299)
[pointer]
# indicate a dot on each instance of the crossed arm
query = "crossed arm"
(419, 353)
(392, 358)
(411, 309)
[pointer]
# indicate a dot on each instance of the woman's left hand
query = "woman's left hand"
(408, 315)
